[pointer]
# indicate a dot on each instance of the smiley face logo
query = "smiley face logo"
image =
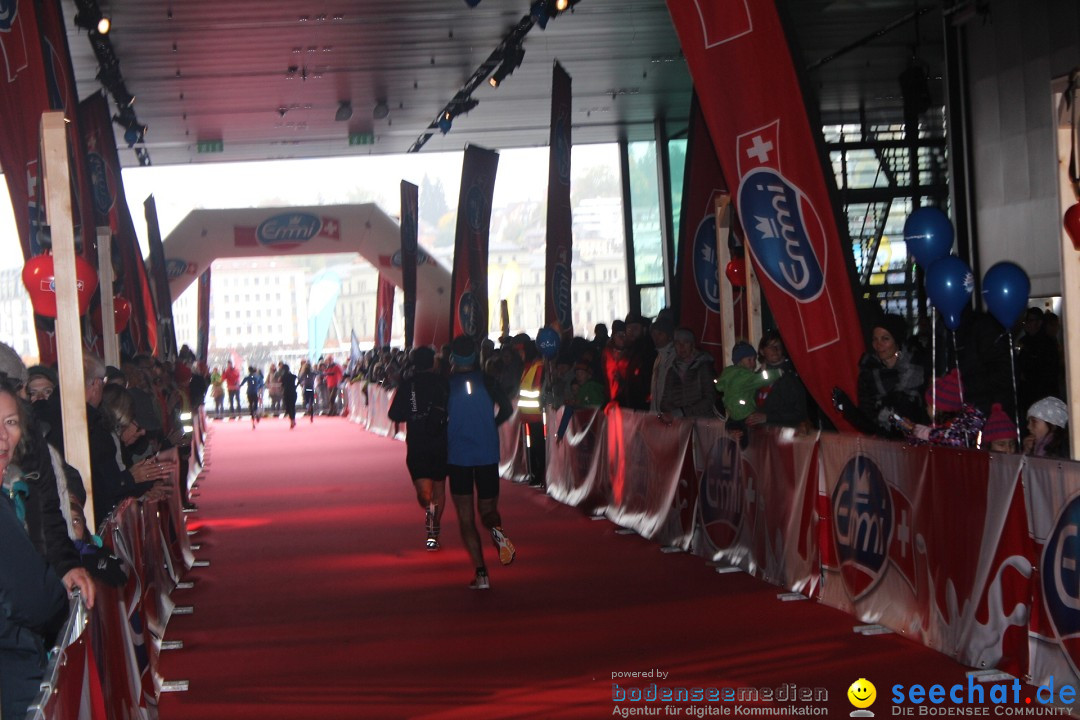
(862, 693)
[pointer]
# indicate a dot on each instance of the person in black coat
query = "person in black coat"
(420, 402)
(33, 603)
(288, 393)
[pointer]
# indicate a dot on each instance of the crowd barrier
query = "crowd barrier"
(973, 554)
(106, 662)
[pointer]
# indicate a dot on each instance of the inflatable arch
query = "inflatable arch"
(206, 235)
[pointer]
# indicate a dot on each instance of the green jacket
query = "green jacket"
(739, 386)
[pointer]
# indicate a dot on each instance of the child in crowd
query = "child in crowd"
(1046, 421)
(999, 433)
(738, 383)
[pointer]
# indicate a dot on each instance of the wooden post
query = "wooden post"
(109, 342)
(69, 342)
(752, 302)
(723, 257)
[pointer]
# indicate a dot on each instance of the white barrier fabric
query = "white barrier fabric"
(754, 505)
(1053, 499)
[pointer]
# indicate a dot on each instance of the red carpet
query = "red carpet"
(320, 602)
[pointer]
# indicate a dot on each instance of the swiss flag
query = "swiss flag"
(331, 228)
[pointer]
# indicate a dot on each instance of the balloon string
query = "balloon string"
(1016, 397)
(933, 367)
(956, 355)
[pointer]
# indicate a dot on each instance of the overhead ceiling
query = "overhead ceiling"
(267, 77)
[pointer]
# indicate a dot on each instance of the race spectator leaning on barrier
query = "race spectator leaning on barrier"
(1046, 421)
(689, 389)
(473, 455)
(783, 403)
(738, 383)
(661, 333)
(999, 432)
(33, 600)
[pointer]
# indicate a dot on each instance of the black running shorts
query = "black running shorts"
(484, 477)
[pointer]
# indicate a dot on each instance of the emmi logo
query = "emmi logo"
(288, 229)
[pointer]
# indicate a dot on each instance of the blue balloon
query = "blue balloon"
(547, 342)
(949, 284)
(929, 234)
(1006, 288)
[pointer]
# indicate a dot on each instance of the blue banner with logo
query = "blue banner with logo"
(769, 151)
(560, 240)
(698, 300)
(469, 281)
(410, 230)
(159, 282)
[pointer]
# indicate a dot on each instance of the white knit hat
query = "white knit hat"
(11, 364)
(1050, 410)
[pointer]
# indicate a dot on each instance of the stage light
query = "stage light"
(561, 5)
(459, 107)
(511, 61)
(344, 111)
(88, 16)
(381, 110)
(446, 122)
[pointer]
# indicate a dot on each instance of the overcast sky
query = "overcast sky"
(178, 189)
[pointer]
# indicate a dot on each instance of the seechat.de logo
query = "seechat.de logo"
(862, 524)
(781, 225)
(288, 229)
(706, 264)
(1060, 568)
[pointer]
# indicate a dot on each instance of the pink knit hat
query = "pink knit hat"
(948, 393)
(999, 426)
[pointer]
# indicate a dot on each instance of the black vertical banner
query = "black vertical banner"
(410, 214)
(159, 281)
(111, 209)
(204, 318)
(560, 241)
(468, 285)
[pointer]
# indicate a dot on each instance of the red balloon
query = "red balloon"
(122, 312)
(38, 277)
(1072, 224)
(736, 272)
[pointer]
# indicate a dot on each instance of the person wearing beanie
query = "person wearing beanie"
(1046, 421)
(12, 365)
(949, 393)
(41, 381)
(420, 402)
(739, 383)
(472, 440)
(999, 433)
(890, 384)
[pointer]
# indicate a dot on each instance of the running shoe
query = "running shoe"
(433, 543)
(506, 548)
(480, 582)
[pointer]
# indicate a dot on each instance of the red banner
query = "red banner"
(410, 214)
(468, 285)
(60, 79)
(384, 311)
(111, 210)
(560, 239)
(23, 98)
(698, 297)
(758, 122)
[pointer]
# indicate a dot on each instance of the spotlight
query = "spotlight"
(344, 111)
(460, 107)
(511, 61)
(561, 5)
(472, 3)
(381, 110)
(88, 16)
